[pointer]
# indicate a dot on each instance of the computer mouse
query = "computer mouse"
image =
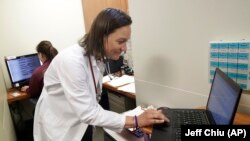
(162, 125)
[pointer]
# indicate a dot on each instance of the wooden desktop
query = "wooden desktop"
(14, 94)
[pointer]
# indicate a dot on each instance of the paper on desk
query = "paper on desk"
(119, 81)
(128, 88)
(108, 78)
(105, 79)
(15, 94)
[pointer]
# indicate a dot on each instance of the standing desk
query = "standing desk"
(240, 119)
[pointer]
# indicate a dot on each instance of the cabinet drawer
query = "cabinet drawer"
(116, 98)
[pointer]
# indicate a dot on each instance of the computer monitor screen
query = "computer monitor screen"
(20, 68)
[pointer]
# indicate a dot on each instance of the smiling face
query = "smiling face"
(116, 42)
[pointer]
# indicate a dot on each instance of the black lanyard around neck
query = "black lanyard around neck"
(93, 76)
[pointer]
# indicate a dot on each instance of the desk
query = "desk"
(24, 95)
(115, 89)
(11, 98)
(240, 119)
(119, 100)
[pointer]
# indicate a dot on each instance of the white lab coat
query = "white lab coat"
(68, 100)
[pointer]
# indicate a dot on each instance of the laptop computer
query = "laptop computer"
(220, 110)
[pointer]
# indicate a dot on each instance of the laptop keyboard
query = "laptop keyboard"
(178, 134)
(186, 117)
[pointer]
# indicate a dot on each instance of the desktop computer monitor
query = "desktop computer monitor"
(20, 68)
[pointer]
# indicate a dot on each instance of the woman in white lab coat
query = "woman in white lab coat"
(72, 84)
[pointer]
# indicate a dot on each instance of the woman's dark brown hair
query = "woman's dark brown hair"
(106, 22)
(47, 49)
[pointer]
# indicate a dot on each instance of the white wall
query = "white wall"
(170, 47)
(7, 132)
(24, 23)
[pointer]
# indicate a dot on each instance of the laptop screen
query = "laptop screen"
(223, 99)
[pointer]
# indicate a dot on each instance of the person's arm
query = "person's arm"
(35, 84)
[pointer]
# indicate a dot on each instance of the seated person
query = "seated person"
(46, 52)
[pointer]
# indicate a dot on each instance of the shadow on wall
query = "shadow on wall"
(160, 73)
